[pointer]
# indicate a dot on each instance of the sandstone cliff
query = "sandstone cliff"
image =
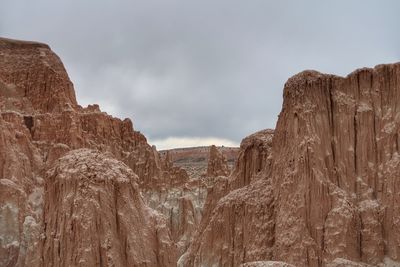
(335, 163)
(79, 187)
(237, 224)
(94, 216)
(329, 191)
(40, 122)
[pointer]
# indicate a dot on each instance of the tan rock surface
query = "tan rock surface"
(254, 157)
(194, 160)
(33, 78)
(266, 264)
(94, 216)
(322, 190)
(335, 158)
(237, 224)
(332, 179)
(181, 201)
(217, 165)
(200, 153)
(40, 122)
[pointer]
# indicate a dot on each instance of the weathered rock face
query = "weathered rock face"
(37, 95)
(335, 163)
(182, 206)
(40, 122)
(217, 165)
(181, 201)
(194, 160)
(322, 190)
(20, 193)
(33, 78)
(254, 157)
(94, 216)
(328, 188)
(172, 174)
(238, 217)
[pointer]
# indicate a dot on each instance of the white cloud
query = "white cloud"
(178, 142)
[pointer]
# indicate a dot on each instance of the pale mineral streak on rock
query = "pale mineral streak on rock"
(266, 264)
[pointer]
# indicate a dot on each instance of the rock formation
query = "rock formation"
(330, 182)
(174, 175)
(194, 160)
(94, 216)
(254, 157)
(40, 122)
(79, 187)
(217, 165)
(33, 79)
(237, 224)
(335, 163)
(181, 201)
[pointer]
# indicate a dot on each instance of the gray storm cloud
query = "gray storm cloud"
(202, 69)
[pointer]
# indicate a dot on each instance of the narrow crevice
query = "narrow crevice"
(332, 127)
(355, 143)
(28, 120)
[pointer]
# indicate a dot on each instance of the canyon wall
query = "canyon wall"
(330, 188)
(194, 160)
(79, 187)
(237, 224)
(41, 122)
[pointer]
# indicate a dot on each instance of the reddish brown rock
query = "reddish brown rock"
(322, 191)
(173, 175)
(180, 199)
(331, 175)
(217, 165)
(40, 122)
(20, 193)
(237, 224)
(335, 139)
(194, 160)
(94, 216)
(254, 157)
(33, 78)
(202, 153)
(38, 96)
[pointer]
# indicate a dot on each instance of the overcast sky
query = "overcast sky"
(199, 72)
